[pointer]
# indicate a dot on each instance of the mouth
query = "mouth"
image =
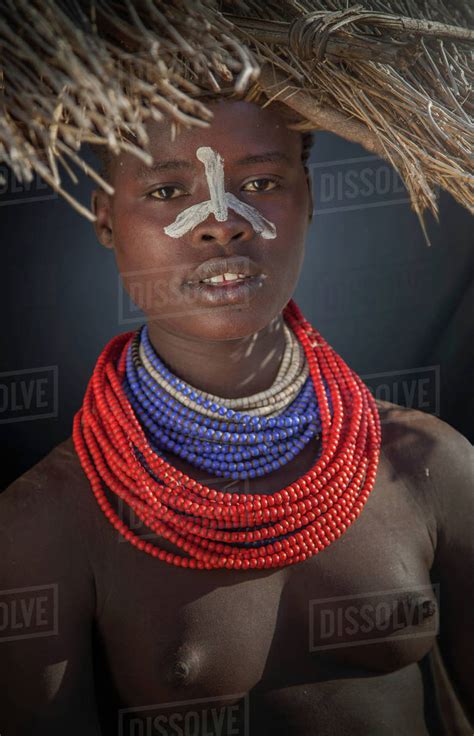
(225, 280)
(236, 291)
(224, 272)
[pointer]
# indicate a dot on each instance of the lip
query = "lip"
(233, 292)
(220, 266)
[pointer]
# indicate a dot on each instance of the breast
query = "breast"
(181, 634)
(217, 636)
(364, 605)
(373, 632)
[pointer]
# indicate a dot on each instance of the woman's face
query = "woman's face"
(262, 168)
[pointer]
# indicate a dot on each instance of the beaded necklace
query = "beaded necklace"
(192, 423)
(215, 529)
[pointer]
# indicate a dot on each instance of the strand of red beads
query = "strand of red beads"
(205, 524)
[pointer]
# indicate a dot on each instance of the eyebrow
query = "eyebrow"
(143, 171)
(265, 158)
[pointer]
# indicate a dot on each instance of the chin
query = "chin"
(230, 322)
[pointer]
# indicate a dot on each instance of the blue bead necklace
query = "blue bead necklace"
(224, 442)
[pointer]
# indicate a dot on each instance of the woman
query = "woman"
(332, 644)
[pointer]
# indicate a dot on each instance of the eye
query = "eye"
(260, 185)
(170, 191)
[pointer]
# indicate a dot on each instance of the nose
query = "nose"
(234, 229)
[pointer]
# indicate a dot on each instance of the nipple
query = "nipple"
(182, 670)
(412, 609)
(183, 666)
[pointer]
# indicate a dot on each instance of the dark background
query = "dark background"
(398, 311)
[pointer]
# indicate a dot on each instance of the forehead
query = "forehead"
(237, 131)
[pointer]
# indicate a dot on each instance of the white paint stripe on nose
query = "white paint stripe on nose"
(219, 202)
(214, 167)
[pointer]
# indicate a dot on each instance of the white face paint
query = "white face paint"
(219, 203)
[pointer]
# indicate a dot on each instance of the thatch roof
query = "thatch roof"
(393, 75)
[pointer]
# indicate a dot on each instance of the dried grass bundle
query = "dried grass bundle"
(393, 75)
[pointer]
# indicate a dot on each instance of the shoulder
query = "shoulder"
(55, 484)
(47, 520)
(48, 596)
(433, 458)
(417, 436)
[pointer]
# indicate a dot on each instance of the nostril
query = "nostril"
(207, 237)
(237, 236)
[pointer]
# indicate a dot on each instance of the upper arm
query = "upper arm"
(452, 481)
(47, 604)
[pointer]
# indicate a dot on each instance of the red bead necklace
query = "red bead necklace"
(206, 524)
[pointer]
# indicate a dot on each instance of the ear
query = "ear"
(100, 205)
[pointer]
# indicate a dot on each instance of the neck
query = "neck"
(226, 368)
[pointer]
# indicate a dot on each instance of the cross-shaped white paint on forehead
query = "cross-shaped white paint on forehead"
(219, 203)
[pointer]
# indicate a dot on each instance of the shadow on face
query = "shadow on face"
(262, 168)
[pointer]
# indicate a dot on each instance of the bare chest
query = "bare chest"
(363, 605)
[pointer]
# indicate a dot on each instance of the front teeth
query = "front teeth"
(224, 277)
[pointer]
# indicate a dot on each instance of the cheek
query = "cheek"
(290, 216)
(151, 267)
(291, 209)
(291, 220)
(138, 235)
